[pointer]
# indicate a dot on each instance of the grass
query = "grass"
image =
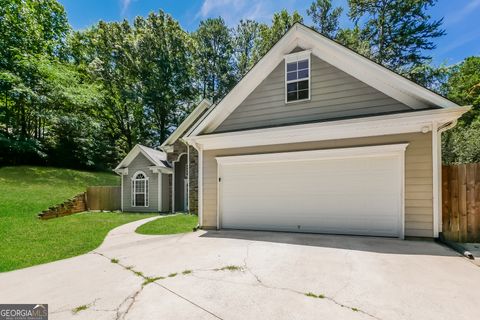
(149, 280)
(313, 295)
(230, 268)
(79, 308)
(27, 240)
(180, 223)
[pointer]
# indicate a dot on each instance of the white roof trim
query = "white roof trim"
(164, 170)
(333, 53)
(147, 152)
(419, 121)
(192, 117)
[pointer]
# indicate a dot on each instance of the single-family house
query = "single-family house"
(315, 138)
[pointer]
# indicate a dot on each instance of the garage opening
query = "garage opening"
(356, 191)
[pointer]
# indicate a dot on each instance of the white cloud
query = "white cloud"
(125, 5)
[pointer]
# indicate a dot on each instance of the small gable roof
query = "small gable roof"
(341, 57)
(156, 157)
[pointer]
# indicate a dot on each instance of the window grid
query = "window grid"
(297, 79)
(140, 190)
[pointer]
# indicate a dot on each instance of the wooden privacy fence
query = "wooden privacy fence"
(461, 202)
(104, 198)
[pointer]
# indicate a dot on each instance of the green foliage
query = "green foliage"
(245, 36)
(325, 17)
(462, 144)
(165, 66)
(269, 35)
(464, 86)
(400, 32)
(430, 76)
(85, 98)
(28, 240)
(30, 27)
(213, 58)
(356, 40)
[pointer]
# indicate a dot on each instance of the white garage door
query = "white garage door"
(342, 191)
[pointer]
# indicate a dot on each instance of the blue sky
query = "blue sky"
(460, 17)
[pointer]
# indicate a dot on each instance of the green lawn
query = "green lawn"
(26, 240)
(170, 225)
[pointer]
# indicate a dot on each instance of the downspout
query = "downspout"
(121, 173)
(437, 161)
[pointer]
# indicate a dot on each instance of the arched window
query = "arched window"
(140, 190)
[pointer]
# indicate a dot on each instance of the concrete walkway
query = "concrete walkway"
(251, 275)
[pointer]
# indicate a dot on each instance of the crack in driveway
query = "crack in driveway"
(246, 267)
(147, 280)
(261, 283)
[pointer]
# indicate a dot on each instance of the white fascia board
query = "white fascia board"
(418, 121)
(192, 117)
(340, 153)
(129, 157)
(305, 54)
(121, 171)
(157, 169)
(251, 80)
(132, 155)
(371, 73)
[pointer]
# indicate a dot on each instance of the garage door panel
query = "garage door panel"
(347, 196)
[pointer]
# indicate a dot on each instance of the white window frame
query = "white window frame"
(294, 57)
(145, 193)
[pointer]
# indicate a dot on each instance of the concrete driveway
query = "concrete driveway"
(252, 275)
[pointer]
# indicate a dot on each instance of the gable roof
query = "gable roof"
(156, 157)
(341, 57)
(187, 123)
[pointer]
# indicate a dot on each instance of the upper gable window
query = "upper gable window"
(297, 76)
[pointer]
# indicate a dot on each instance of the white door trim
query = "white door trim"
(200, 187)
(397, 150)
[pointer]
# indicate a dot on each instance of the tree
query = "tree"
(165, 72)
(115, 67)
(269, 35)
(213, 58)
(325, 17)
(244, 38)
(356, 40)
(400, 32)
(430, 76)
(30, 27)
(462, 144)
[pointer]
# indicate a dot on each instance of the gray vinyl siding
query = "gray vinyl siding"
(140, 163)
(418, 175)
(334, 94)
